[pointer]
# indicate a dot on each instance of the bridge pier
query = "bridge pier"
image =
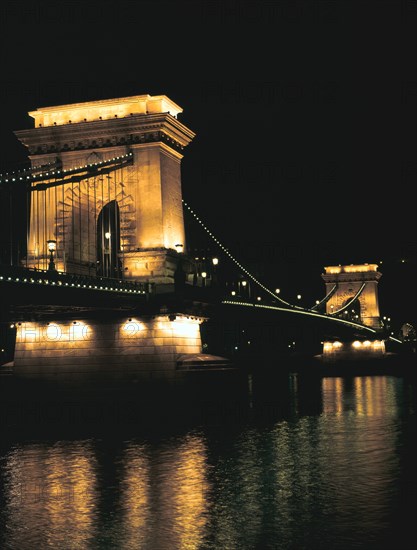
(357, 349)
(145, 345)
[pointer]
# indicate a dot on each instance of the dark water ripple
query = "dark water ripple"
(274, 466)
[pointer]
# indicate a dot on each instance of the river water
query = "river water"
(267, 462)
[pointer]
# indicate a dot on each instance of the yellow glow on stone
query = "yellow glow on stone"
(184, 327)
(132, 327)
(79, 331)
(366, 347)
(104, 110)
(31, 332)
(53, 332)
(360, 268)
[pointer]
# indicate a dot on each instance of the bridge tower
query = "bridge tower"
(126, 223)
(354, 287)
(105, 191)
(349, 280)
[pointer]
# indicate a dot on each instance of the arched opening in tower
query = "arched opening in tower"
(108, 241)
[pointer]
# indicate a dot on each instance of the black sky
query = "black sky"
(304, 114)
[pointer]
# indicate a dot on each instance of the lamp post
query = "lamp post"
(204, 276)
(107, 254)
(246, 289)
(215, 262)
(52, 248)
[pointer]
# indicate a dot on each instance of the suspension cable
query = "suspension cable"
(235, 261)
(295, 309)
(304, 312)
(325, 299)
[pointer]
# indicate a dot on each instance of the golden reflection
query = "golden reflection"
(135, 497)
(357, 449)
(369, 395)
(181, 499)
(50, 495)
(332, 392)
(374, 395)
(190, 494)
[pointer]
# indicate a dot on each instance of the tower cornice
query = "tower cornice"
(130, 130)
(351, 277)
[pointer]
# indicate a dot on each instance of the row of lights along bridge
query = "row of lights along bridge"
(206, 274)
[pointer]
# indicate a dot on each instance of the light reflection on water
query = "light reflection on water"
(319, 464)
(51, 495)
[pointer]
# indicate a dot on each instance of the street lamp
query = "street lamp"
(215, 262)
(298, 296)
(179, 247)
(277, 290)
(51, 247)
(107, 254)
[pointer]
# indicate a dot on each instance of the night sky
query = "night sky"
(304, 114)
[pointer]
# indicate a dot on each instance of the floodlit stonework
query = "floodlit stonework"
(106, 193)
(120, 347)
(361, 281)
(349, 280)
(146, 132)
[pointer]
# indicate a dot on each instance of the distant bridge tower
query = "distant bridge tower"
(351, 280)
(127, 222)
(354, 287)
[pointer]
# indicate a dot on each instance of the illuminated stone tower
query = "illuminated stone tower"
(349, 280)
(354, 286)
(127, 223)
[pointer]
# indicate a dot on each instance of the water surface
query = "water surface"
(287, 462)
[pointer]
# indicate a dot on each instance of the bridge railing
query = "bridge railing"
(59, 278)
